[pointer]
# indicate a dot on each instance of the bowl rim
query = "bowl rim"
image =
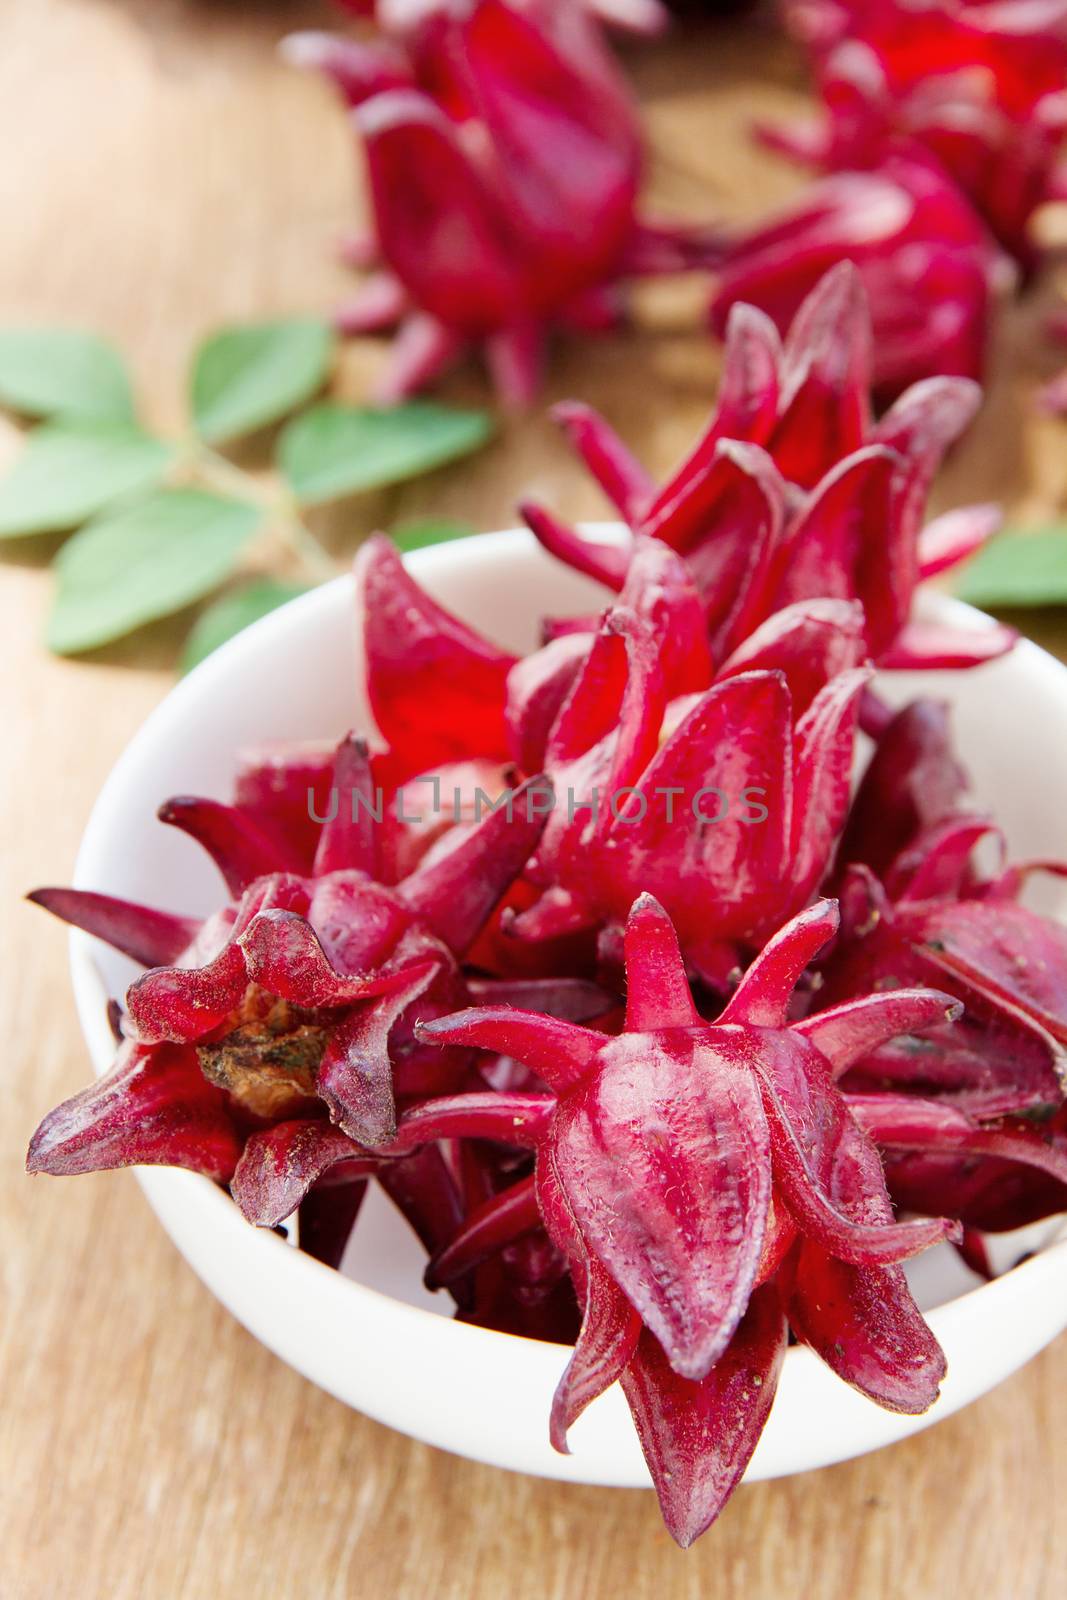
(90, 990)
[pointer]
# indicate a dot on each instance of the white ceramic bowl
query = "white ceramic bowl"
(370, 1334)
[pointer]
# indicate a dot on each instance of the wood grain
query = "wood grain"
(160, 172)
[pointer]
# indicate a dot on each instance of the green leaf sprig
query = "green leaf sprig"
(160, 524)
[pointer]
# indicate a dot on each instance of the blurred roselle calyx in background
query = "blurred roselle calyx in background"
(941, 135)
(980, 87)
(930, 268)
(504, 159)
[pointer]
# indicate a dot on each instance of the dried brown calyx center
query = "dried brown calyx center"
(269, 1057)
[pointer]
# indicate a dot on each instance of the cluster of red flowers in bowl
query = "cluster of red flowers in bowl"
(666, 1091)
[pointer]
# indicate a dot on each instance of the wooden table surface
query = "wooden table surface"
(161, 172)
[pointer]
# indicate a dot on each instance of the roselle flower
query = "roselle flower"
(930, 269)
(705, 1182)
(504, 159)
(982, 87)
(972, 1113)
(969, 1118)
(292, 1003)
(1005, 1055)
(916, 908)
(726, 804)
(793, 492)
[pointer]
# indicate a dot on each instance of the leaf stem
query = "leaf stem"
(282, 510)
(218, 470)
(299, 538)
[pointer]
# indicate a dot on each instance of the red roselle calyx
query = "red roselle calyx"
(666, 1040)
(702, 1179)
(794, 492)
(503, 156)
(931, 271)
(973, 1109)
(291, 1006)
(724, 803)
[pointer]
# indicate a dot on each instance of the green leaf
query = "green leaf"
(48, 372)
(145, 561)
(71, 470)
(244, 378)
(334, 450)
(233, 612)
(417, 535)
(1018, 569)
